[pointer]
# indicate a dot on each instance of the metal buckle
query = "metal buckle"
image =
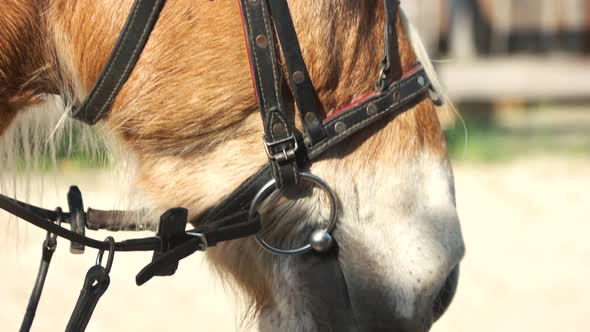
(204, 244)
(286, 154)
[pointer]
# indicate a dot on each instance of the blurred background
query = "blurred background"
(518, 72)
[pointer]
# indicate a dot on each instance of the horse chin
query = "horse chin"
(326, 294)
(314, 299)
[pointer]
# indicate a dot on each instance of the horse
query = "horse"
(188, 116)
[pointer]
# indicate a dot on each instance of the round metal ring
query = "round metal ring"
(269, 188)
(111, 242)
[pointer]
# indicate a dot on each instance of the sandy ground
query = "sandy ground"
(527, 267)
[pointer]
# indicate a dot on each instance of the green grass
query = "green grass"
(70, 153)
(495, 142)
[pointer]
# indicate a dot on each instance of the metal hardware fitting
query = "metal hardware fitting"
(286, 154)
(100, 255)
(270, 188)
(381, 83)
(204, 245)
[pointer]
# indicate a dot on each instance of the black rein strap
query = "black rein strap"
(24, 212)
(172, 244)
(49, 246)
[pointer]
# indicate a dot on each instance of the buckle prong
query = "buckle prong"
(285, 154)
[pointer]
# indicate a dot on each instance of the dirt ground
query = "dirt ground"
(527, 268)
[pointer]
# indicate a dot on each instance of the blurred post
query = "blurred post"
(501, 25)
(462, 44)
(573, 13)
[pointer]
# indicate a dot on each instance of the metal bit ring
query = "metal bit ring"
(270, 188)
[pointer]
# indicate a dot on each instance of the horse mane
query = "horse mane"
(33, 145)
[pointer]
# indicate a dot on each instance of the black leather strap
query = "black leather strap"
(172, 244)
(393, 68)
(396, 99)
(122, 60)
(78, 217)
(96, 283)
(22, 211)
(235, 226)
(240, 198)
(48, 249)
(308, 104)
(279, 138)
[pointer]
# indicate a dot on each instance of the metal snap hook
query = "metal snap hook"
(111, 242)
(314, 244)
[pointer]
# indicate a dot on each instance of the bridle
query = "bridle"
(289, 151)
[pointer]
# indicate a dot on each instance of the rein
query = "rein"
(289, 151)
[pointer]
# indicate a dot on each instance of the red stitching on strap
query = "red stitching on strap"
(411, 71)
(348, 106)
(367, 95)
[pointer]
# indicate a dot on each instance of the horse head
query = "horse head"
(189, 117)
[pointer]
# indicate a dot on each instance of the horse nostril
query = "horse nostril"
(446, 294)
